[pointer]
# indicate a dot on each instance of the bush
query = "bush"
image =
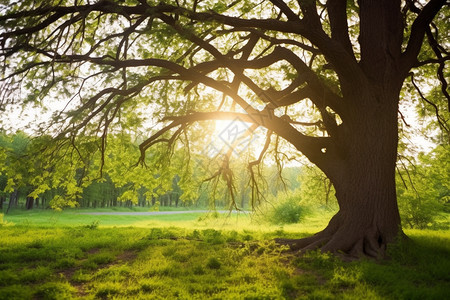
(212, 236)
(287, 211)
(418, 213)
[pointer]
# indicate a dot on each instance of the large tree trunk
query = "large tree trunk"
(368, 217)
(361, 160)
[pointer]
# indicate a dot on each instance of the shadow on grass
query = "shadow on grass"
(139, 263)
(416, 269)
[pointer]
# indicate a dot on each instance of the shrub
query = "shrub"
(287, 211)
(158, 233)
(416, 213)
(80, 277)
(418, 206)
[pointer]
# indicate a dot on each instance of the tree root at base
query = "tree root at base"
(348, 245)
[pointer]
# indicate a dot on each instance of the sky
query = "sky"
(225, 131)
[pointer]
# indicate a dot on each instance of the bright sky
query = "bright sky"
(226, 132)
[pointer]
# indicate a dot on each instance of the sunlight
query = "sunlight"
(235, 134)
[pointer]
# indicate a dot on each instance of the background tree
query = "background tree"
(115, 62)
(15, 173)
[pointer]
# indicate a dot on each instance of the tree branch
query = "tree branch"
(441, 121)
(324, 96)
(418, 29)
(273, 40)
(285, 10)
(440, 71)
(337, 12)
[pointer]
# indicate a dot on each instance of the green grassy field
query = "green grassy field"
(69, 255)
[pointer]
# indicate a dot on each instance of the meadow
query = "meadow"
(71, 255)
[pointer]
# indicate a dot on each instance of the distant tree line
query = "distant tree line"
(24, 183)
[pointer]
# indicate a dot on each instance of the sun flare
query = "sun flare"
(236, 135)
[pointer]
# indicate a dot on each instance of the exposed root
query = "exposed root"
(350, 238)
(299, 244)
(348, 244)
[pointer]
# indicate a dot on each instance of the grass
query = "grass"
(78, 218)
(221, 221)
(50, 255)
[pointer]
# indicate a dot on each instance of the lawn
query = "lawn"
(69, 255)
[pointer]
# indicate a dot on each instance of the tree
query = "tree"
(13, 172)
(193, 61)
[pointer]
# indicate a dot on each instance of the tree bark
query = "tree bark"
(13, 200)
(29, 203)
(364, 179)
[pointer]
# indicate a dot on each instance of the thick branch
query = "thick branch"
(440, 71)
(285, 10)
(337, 12)
(273, 40)
(310, 146)
(431, 61)
(324, 96)
(418, 29)
(380, 37)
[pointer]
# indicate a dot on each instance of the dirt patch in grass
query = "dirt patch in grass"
(80, 285)
(127, 256)
(93, 251)
(81, 292)
(68, 274)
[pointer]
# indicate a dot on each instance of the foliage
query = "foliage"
(315, 188)
(119, 181)
(66, 181)
(287, 209)
(424, 190)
